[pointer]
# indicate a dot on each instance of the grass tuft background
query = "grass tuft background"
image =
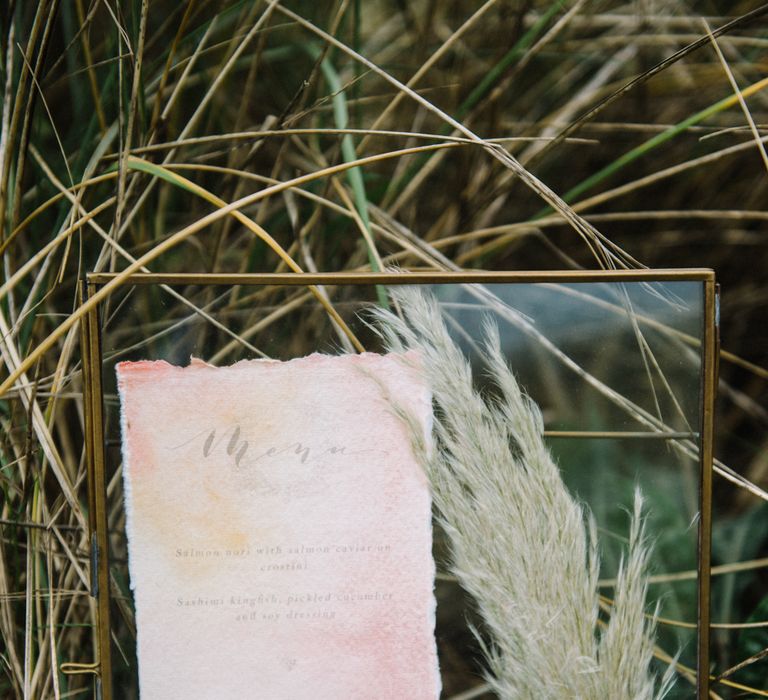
(507, 135)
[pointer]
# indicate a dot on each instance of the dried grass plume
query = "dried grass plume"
(521, 545)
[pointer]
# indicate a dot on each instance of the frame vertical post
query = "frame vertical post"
(709, 353)
(97, 490)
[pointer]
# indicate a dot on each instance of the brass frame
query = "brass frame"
(97, 286)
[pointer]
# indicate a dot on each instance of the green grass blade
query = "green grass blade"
(354, 175)
(650, 144)
(493, 75)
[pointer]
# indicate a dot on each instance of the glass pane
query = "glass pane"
(597, 357)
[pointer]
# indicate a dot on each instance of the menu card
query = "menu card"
(279, 529)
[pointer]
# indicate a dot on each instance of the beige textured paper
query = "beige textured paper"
(279, 530)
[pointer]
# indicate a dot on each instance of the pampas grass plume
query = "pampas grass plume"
(521, 545)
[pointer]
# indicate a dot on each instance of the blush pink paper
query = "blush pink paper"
(279, 529)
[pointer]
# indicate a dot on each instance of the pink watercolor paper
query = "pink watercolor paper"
(279, 529)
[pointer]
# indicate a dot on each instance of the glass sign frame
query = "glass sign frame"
(555, 324)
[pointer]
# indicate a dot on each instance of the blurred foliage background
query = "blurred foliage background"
(505, 135)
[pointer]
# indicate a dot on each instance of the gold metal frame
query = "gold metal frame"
(97, 286)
